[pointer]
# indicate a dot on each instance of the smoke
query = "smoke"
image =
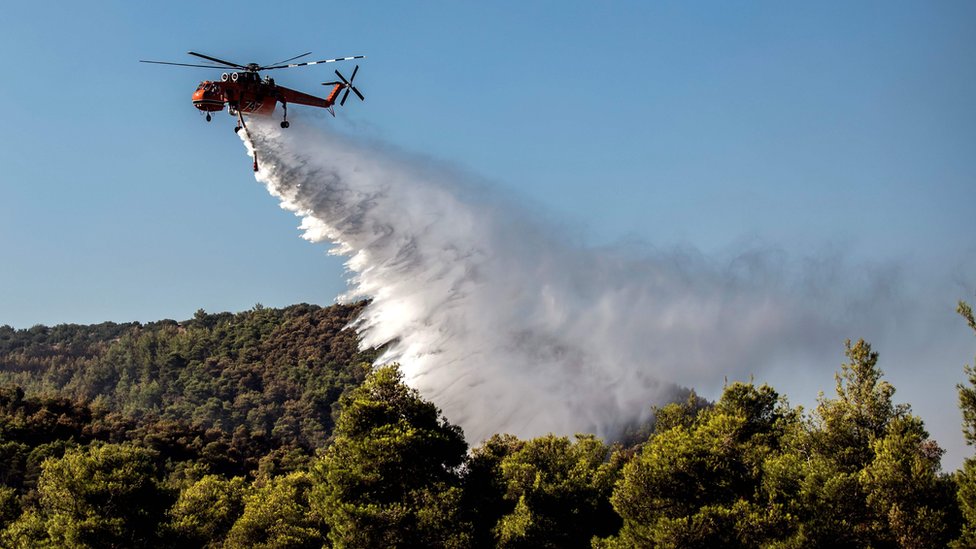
(509, 325)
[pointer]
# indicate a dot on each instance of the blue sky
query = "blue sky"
(811, 128)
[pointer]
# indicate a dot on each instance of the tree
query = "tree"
(560, 490)
(871, 475)
(27, 532)
(966, 478)
(861, 412)
(105, 495)
(277, 515)
(967, 393)
(829, 495)
(911, 502)
(9, 506)
(390, 477)
(700, 483)
(966, 496)
(485, 487)
(206, 510)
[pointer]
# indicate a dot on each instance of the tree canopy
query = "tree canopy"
(270, 428)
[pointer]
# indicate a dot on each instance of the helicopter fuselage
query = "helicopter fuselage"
(247, 93)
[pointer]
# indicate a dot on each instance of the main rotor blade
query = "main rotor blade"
(181, 64)
(311, 63)
(292, 58)
(221, 61)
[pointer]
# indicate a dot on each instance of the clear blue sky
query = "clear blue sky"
(828, 126)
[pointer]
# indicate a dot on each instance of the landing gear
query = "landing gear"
(284, 119)
(237, 129)
(209, 117)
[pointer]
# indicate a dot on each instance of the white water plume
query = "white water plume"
(509, 327)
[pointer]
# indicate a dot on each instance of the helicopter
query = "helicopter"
(245, 92)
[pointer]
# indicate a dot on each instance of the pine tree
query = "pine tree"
(966, 478)
(391, 478)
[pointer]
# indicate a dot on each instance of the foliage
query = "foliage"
(700, 484)
(106, 495)
(860, 413)
(277, 515)
(750, 471)
(275, 372)
(560, 490)
(35, 428)
(9, 507)
(206, 510)
(485, 488)
(966, 477)
(390, 478)
(871, 474)
(683, 409)
(267, 429)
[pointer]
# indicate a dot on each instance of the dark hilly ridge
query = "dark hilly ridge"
(234, 387)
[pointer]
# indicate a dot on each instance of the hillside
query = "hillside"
(266, 376)
(267, 429)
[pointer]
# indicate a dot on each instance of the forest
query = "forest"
(271, 428)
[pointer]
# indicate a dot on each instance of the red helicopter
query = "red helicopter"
(245, 92)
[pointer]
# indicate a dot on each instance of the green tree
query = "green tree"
(485, 487)
(206, 510)
(870, 475)
(848, 424)
(277, 515)
(105, 495)
(560, 490)
(678, 413)
(9, 506)
(832, 499)
(910, 501)
(27, 532)
(966, 477)
(390, 477)
(700, 483)
(967, 393)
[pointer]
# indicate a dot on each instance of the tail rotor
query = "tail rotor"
(347, 84)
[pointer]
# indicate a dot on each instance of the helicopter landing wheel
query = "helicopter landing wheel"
(208, 117)
(237, 129)
(285, 124)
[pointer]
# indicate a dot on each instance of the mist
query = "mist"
(512, 323)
